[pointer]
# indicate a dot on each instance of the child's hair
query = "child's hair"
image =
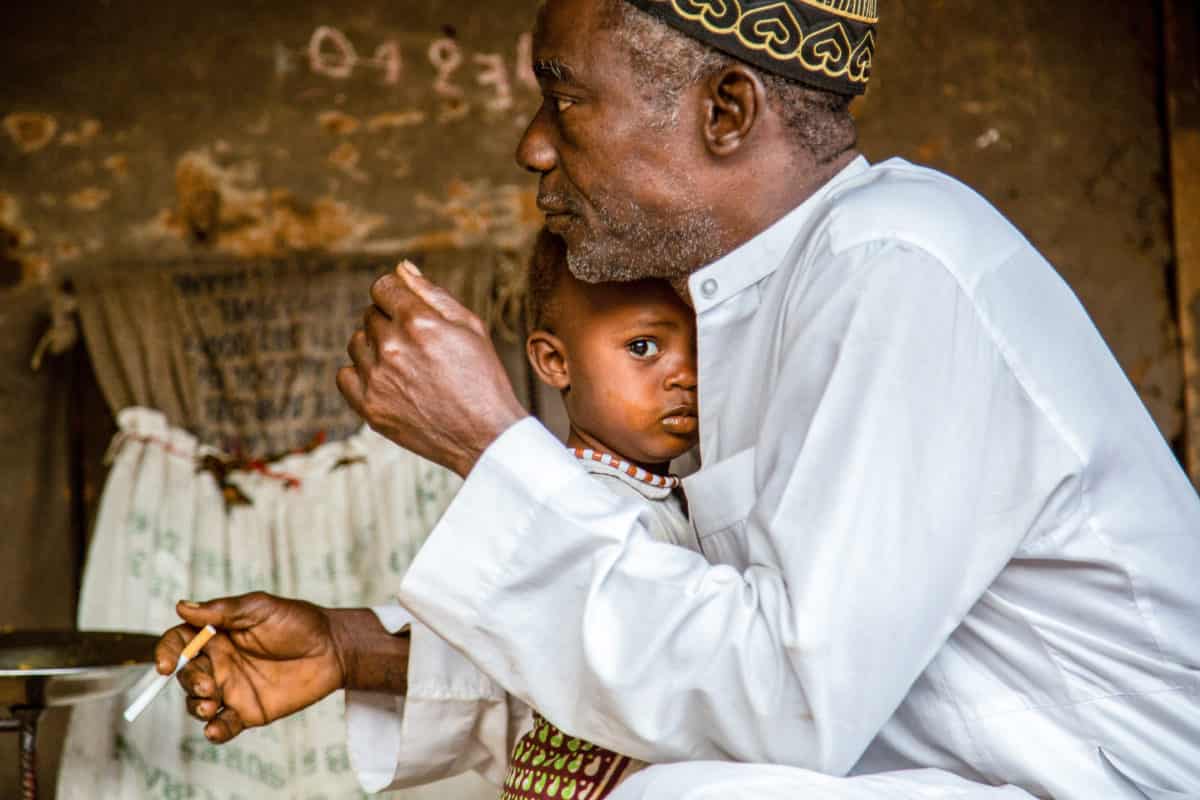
(547, 265)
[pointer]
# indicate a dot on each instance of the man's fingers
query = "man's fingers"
(362, 355)
(376, 326)
(351, 385)
(441, 301)
(202, 708)
(224, 727)
(405, 292)
(166, 652)
(391, 296)
(197, 679)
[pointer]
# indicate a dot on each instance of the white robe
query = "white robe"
(940, 534)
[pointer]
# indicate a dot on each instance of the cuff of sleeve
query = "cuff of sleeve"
(373, 732)
(452, 719)
(484, 526)
(393, 616)
(374, 719)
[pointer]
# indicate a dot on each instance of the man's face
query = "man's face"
(618, 188)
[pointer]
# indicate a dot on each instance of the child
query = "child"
(623, 357)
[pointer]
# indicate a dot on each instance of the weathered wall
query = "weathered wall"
(131, 134)
(1181, 36)
(256, 128)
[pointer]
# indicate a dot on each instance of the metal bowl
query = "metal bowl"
(43, 669)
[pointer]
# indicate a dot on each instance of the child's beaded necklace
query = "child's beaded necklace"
(632, 470)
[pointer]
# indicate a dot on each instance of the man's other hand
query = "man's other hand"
(271, 657)
(425, 374)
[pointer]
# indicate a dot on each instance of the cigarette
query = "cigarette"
(159, 681)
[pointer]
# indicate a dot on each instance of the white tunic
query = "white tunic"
(940, 531)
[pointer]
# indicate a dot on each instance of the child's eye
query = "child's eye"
(643, 348)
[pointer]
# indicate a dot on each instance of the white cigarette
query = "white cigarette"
(159, 681)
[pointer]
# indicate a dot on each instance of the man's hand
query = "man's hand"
(273, 657)
(425, 374)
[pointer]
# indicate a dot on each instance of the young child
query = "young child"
(623, 355)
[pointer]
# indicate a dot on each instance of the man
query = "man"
(947, 549)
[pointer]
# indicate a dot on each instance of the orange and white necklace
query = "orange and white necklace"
(632, 470)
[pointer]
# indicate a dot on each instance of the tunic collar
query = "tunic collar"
(642, 488)
(762, 255)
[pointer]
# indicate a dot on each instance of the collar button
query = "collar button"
(708, 288)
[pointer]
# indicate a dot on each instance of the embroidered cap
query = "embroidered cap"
(827, 44)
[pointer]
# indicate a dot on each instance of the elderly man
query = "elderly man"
(946, 551)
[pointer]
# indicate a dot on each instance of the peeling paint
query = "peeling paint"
(260, 128)
(338, 123)
(92, 198)
(395, 119)
(67, 251)
(210, 196)
(118, 165)
(17, 265)
(30, 131)
(15, 234)
(89, 129)
(346, 157)
(10, 209)
(12, 271)
(505, 217)
(37, 270)
(224, 207)
(199, 200)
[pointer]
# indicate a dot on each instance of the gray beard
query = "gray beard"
(636, 245)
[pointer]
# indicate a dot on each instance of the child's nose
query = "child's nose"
(682, 376)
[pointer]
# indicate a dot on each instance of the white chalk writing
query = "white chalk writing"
(331, 54)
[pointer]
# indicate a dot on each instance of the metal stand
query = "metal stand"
(53, 669)
(24, 723)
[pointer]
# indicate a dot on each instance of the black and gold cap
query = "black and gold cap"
(827, 44)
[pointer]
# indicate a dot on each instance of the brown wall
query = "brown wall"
(132, 133)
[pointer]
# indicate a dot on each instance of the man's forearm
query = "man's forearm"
(371, 659)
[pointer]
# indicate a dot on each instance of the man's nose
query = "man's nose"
(535, 151)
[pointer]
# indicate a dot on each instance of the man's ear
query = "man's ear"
(735, 102)
(548, 357)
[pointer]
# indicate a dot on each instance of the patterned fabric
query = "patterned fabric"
(546, 763)
(828, 44)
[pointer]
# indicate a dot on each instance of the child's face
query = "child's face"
(629, 358)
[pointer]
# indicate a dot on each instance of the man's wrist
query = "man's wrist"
(500, 424)
(368, 656)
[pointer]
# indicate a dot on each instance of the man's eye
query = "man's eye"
(643, 348)
(562, 104)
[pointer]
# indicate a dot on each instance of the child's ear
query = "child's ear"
(548, 358)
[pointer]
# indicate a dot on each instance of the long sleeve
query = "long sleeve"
(898, 464)
(452, 719)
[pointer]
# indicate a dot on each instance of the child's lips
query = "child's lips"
(681, 421)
